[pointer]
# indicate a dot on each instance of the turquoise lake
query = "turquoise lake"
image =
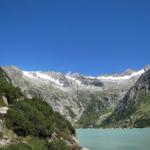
(114, 139)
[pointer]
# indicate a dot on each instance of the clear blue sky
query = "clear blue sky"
(89, 36)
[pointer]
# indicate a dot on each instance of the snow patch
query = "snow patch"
(47, 77)
(126, 77)
(90, 77)
(43, 76)
(38, 75)
(73, 79)
(29, 74)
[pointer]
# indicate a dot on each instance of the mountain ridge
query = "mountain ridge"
(128, 71)
(73, 94)
(134, 109)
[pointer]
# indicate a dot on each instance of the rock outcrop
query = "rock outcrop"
(134, 95)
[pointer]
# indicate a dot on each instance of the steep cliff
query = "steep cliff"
(134, 109)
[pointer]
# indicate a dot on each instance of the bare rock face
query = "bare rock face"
(71, 94)
(134, 95)
(87, 81)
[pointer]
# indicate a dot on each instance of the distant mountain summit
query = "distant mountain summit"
(128, 74)
(85, 100)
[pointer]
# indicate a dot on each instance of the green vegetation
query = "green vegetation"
(7, 89)
(142, 123)
(33, 120)
(145, 104)
(93, 111)
(38, 144)
(35, 117)
(58, 145)
(19, 146)
(143, 113)
(2, 104)
(90, 114)
(25, 118)
(137, 115)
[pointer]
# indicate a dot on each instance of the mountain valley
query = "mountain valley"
(84, 100)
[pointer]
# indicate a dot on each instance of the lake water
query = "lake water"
(114, 139)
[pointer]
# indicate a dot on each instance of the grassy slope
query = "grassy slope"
(139, 118)
(93, 113)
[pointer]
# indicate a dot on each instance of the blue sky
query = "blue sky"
(88, 36)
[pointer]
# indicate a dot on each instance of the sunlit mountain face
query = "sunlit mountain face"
(74, 94)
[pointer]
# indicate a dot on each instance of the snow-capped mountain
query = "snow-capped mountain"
(61, 79)
(122, 77)
(71, 94)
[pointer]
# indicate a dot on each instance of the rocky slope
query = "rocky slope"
(73, 95)
(27, 123)
(134, 109)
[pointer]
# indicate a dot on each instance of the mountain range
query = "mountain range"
(86, 101)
